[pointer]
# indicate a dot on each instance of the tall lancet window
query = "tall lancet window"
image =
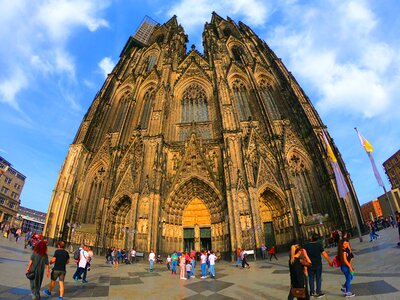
(242, 100)
(150, 62)
(148, 102)
(122, 111)
(269, 101)
(237, 53)
(194, 104)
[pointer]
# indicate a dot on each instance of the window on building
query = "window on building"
(122, 111)
(237, 53)
(194, 104)
(269, 101)
(227, 32)
(150, 62)
(11, 205)
(17, 186)
(2, 200)
(148, 103)
(7, 180)
(14, 195)
(242, 100)
(4, 190)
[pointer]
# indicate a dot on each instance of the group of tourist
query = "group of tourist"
(305, 265)
(116, 256)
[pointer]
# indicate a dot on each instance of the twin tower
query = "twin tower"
(181, 150)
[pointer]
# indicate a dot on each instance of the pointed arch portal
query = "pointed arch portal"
(195, 217)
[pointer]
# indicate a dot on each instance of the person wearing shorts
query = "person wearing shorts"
(60, 260)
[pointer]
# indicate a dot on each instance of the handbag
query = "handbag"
(298, 292)
(30, 275)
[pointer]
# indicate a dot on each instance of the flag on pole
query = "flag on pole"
(368, 148)
(340, 181)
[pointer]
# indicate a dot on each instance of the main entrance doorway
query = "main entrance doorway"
(196, 222)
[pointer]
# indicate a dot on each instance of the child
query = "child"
(169, 260)
(188, 269)
(272, 253)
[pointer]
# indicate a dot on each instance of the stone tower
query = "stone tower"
(183, 151)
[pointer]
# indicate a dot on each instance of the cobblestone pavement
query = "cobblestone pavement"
(377, 276)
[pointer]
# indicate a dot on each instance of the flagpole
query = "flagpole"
(390, 204)
(355, 217)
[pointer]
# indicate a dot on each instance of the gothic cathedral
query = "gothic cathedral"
(181, 150)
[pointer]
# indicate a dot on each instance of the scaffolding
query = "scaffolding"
(145, 29)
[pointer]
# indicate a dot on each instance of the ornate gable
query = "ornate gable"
(103, 154)
(193, 70)
(194, 163)
(126, 185)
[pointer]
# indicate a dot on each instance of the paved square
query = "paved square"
(376, 266)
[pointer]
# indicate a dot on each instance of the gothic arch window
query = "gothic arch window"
(242, 100)
(227, 32)
(122, 111)
(94, 194)
(194, 104)
(269, 101)
(301, 179)
(160, 38)
(148, 100)
(237, 53)
(150, 62)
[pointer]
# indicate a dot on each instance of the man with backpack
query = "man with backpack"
(80, 260)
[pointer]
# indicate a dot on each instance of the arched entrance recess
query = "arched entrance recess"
(275, 216)
(195, 213)
(118, 231)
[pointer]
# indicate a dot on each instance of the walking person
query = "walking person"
(169, 261)
(271, 252)
(133, 256)
(346, 257)
(38, 262)
(88, 263)
(83, 255)
(203, 264)
(174, 262)
(182, 263)
(60, 260)
(315, 250)
(188, 269)
(211, 259)
(239, 260)
(152, 258)
(297, 266)
(243, 257)
(263, 251)
(193, 262)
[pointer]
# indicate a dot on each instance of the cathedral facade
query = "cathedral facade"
(181, 150)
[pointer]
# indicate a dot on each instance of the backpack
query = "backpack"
(77, 254)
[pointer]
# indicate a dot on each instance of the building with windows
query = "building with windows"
(371, 210)
(11, 185)
(31, 220)
(181, 150)
(392, 169)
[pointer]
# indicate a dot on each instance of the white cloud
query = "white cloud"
(106, 65)
(37, 45)
(336, 51)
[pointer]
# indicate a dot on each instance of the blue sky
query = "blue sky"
(54, 56)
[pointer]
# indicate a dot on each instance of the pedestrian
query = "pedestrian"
(169, 261)
(182, 264)
(38, 262)
(315, 250)
(174, 262)
(83, 255)
(298, 280)
(239, 260)
(346, 258)
(271, 252)
(152, 258)
(211, 258)
(18, 234)
(88, 263)
(243, 257)
(133, 255)
(188, 269)
(372, 234)
(60, 260)
(203, 264)
(263, 251)
(193, 262)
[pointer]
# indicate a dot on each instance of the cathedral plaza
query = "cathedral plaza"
(376, 276)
